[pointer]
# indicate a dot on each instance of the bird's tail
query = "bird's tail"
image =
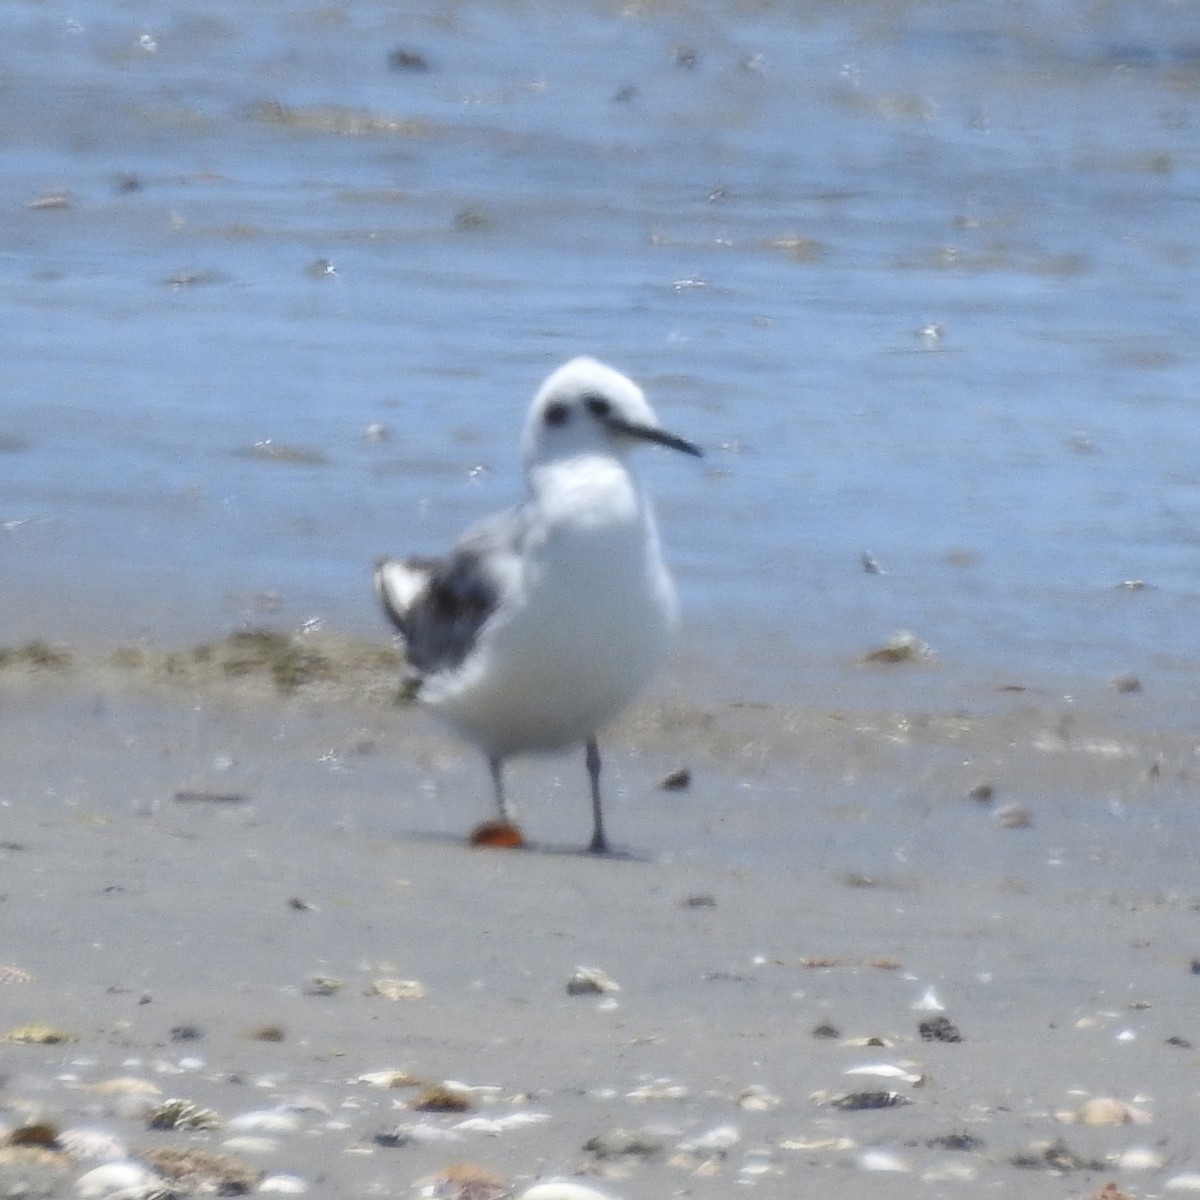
(398, 584)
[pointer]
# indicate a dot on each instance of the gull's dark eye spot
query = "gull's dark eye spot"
(597, 406)
(557, 413)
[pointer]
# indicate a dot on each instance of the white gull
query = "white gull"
(546, 620)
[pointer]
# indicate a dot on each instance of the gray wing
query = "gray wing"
(440, 605)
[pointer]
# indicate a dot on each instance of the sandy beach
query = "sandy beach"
(862, 950)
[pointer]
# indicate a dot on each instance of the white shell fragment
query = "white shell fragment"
(590, 981)
(882, 1160)
(287, 1185)
(1139, 1158)
(929, 1002)
(1189, 1181)
(564, 1189)
(885, 1071)
(125, 1179)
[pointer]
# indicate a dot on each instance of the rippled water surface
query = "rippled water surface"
(277, 282)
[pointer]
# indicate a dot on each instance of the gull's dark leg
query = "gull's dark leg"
(496, 766)
(599, 843)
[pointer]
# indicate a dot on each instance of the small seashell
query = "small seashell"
(757, 1098)
(251, 1143)
(126, 1180)
(390, 1079)
(590, 981)
(464, 1181)
(1101, 1111)
(182, 1114)
(288, 1185)
(659, 1089)
(882, 1160)
(828, 1145)
(563, 1189)
(323, 985)
(1014, 816)
(1188, 1181)
(624, 1143)
(92, 1145)
(415, 1131)
(885, 1071)
(1139, 1158)
(951, 1172)
(268, 1120)
(39, 1035)
(397, 989)
(125, 1085)
(716, 1143)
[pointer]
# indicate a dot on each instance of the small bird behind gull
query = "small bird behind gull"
(546, 620)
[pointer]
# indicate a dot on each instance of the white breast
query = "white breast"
(585, 628)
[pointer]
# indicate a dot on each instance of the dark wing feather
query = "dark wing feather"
(451, 599)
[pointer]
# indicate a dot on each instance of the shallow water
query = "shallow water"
(920, 279)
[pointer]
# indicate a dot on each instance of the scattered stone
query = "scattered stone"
(939, 1029)
(1181, 1042)
(403, 59)
(900, 648)
(678, 780)
(210, 798)
(955, 1141)
(984, 793)
(444, 1097)
(186, 1033)
(265, 1033)
(866, 1101)
(700, 900)
(826, 1031)
(1054, 1156)
(1126, 684)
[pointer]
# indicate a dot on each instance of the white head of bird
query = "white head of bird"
(587, 408)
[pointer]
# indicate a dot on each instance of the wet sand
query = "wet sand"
(210, 880)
